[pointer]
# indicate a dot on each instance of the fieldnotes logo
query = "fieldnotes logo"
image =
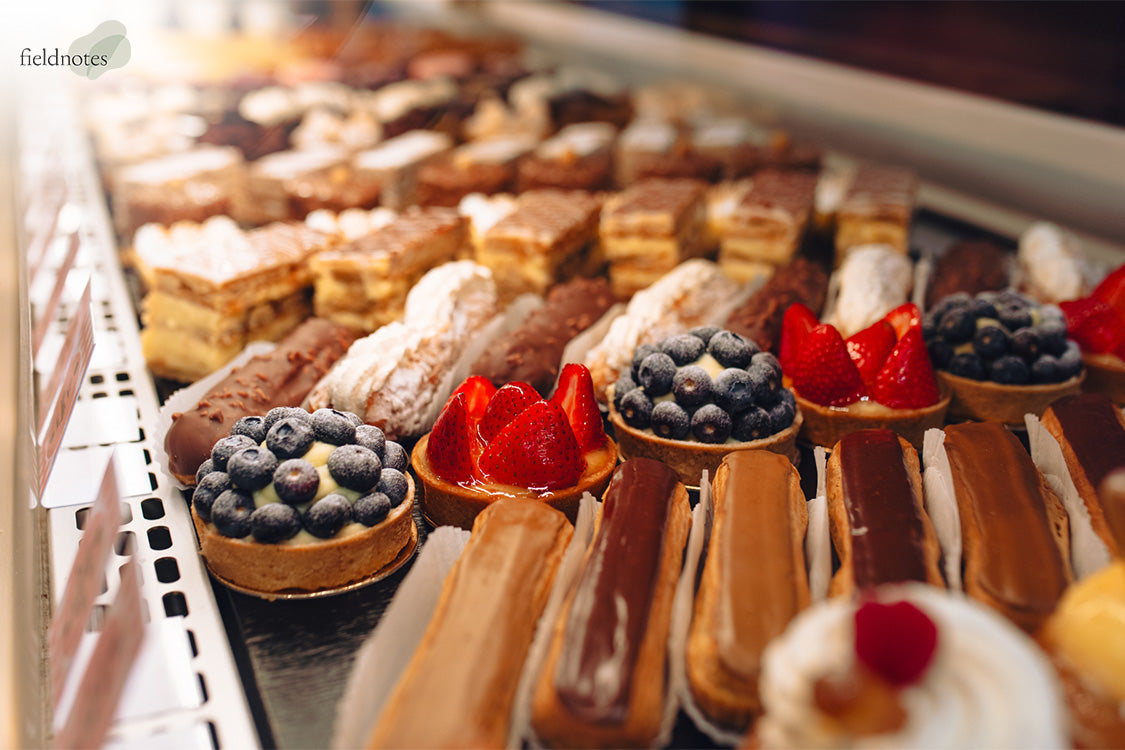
(104, 49)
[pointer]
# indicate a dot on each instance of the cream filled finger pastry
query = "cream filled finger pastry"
(490, 442)
(907, 665)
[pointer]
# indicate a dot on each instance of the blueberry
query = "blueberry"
(957, 301)
(231, 513)
(331, 426)
(768, 361)
(636, 409)
(204, 469)
(328, 515)
(929, 326)
(209, 488)
(691, 386)
(710, 424)
(355, 419)
(370, 436)
(941, 352)
(394, 456)
(252, 427)
(990, 342)
(783, 412)
(371, 509)
(656, 373)
(274, 522)
(290, 438)
(731, 350)
(1051, 314)
(1009, 370)
(1010, 298)
(1026, 345)
(683, 348)
(296, 481)
(734, 390)
(967, 365)
(752, 424)
(669, 420)
(393, 484)
(957, 326)
(226, 448)
(354, 467)
(1014, 317)
(639, 355)
(623, 385)
(1070, 361)
(1052, 338)
(1046, 369)
(764, 382)
(982, 308)
(273, 416)
(704, 333)
(251, 468)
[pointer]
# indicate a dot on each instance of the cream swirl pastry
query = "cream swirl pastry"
(1051, 263)
(870, 673)
(873, 280)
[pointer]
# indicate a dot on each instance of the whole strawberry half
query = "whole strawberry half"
(536, 450)
(906, 380)
(897, 641)
(869, 349)
(903, 318)
(505, 404)
(1096, 326)
(1112, 290)
(795, 326)
(451, 443)
(823, 372)
(478, 392)
(575, 396)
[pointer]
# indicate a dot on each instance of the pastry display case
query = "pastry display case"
(424, 175)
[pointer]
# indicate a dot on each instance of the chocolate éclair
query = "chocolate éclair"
(754, 582)
(879, 526)
(604, 681)
(1091, 432)
(1014, 531)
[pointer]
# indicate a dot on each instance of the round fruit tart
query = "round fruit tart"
(695, 397)
(490, 442)
(879, 377)
(293, 502)
(1097, 324)
(1002, 355)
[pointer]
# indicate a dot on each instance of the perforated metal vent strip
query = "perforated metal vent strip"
(156, 526)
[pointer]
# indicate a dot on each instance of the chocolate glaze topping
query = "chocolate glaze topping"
(610, 609)
(884, 516)
(1090, 424)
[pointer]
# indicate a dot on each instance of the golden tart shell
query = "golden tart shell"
(986, 401)
(826, 425)
(1105, 374)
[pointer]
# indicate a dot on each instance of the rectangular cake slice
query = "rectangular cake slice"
(394, 164)
(578, 157)
(766, 228)
(877, 208)
(487, 166)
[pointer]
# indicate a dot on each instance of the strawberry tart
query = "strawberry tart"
(879, 377)
(490, 443)
(1097, 324)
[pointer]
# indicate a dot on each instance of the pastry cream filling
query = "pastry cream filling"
(1088, 628)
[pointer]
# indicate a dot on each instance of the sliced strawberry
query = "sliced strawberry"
(906, 380)
(1096, 326)
(575, 395)
(478, 391)
(450, 447)
(823, 372)
(869, 349)
(536, 450)
(1112, 290)
(896, 641)
(904, 317)
(795, 327)
(506, 403)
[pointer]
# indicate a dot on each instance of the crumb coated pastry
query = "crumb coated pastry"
(604, 681)
(970, 266)
(759, 318)
(906, 666)
(873, 280)
(469, 659)
(754, 582)
(281, 378)
(1051, 264)
(532, 353)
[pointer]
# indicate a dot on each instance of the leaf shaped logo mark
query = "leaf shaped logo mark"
(103, 49)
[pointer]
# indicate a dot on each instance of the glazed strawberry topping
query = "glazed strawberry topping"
(869, 349)
(823, 372)
(450, 448)
(906, 380)
(1112, 290)
(795, 327)
(477, 391)
(505, 405)
(896, 641)
(1096, 326)
(903, 318)
(536, 450)
(575, 395)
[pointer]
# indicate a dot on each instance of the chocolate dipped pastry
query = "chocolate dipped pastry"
(755, 581)
(759, 318)
(1014, 530)
(971, 266)
(281, 378)
(880, 529)
(604, 681)
(469, 660)
(533, 351)
(1091, 432)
